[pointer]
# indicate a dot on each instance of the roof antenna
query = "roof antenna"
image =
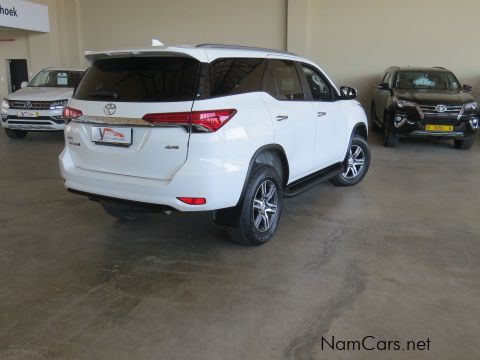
(156, 42)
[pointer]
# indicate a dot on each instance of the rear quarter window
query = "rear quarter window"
(140, 79)
(283, 82)
(231, 76)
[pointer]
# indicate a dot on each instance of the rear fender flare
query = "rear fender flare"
(230, 216)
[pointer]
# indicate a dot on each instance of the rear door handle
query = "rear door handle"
(281, 117)
(321, 113)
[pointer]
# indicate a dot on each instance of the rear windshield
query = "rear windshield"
(140, 79)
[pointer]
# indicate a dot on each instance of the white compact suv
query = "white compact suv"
(233, 130)
(38, 105)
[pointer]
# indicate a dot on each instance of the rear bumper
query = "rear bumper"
(138, 206)
(221, 184)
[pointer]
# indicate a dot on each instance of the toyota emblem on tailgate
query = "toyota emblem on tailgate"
(110, 109)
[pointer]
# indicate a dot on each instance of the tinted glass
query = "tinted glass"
(235, 76)
(270, 86)
(56, 78)
(319, 87)
(386, 78)
(427, 81)
(283, 81)
(140, 79)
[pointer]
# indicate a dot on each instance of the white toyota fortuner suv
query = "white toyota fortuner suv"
(228, 129)
(38, 105)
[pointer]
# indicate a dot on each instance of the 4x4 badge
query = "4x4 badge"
(110, 109)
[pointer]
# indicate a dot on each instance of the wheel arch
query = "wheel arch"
(361, 130)
(270, 154)
(273, 155)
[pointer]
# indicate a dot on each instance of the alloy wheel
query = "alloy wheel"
(355, 162)
(265, 205)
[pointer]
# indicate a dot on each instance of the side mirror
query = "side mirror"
(383, 86)
(24, 84)
(348, 93)
(467, 88)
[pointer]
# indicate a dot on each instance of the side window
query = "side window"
(283, 82)
(319, 87)
(386, 78)
(270, 86)
(235, 76)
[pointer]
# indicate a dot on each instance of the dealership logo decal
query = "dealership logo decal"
(8, 12)
(110, 133)
(441, 108)
(109, 109)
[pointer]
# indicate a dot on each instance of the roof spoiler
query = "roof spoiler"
(160, 50)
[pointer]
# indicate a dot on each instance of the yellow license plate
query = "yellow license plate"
(439, 128)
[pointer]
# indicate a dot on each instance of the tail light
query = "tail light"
(70, 113)
(206, 120)
(193, 201)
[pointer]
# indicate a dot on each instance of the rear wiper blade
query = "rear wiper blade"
(103, 95)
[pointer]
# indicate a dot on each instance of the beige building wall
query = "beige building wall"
(106, 24)
(356, 40)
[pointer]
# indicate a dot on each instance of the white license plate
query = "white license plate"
(27, 114)
(114, 136)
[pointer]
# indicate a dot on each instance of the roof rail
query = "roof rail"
(440, 67)
(242, 47)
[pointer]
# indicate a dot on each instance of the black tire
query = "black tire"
(355, 172)
(373, 117)
(466, 143)
(121, 212)
(247, 233)
(15, 134)
(389, 138)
